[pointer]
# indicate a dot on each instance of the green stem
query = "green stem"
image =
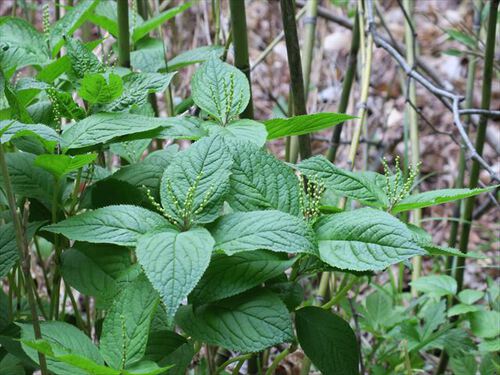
(123, 33)
(340, 294)
(295, 68)
(221, 368)
(240, 43)
(216, 12)
(346, 88)
(413, 123)
(24, 255)
(277, 360)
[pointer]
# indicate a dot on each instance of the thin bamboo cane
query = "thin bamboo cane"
(123, 33)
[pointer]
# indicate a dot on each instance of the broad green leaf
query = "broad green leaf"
(461, 309)
(485, 323)
(435, 197)
(82, 59)
(380, 311)
(183, 127)
(61, 165)
(10, 130)
(250, 322)
(162, 343)
(55, 69)
(492, 345)
(137, 87)
(146, 368)
(126, 325)
(97, 270)
(328, 340)
(27, 179)
(244, 130)
(120, 225)
(20, 45)
(148, 55)
(97, 88)
(220, 89)
(65, 105)
(465, 39)
(269, 230)
(66, 336)
(9, 254)
(298, 125)
(365, 187)
(464, 364)
(259, 181)
(105, 127)
(67, 25)
(195, 183)
(61, 354)
(11, 365)
(364, 239)
(148, 172)
(436, 285)
(156, 21)
(470, 296)
(131, 151)
(194, 56)
(433, 315)
(174, 262)
(228, 276)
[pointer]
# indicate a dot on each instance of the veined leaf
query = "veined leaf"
(63, 355)
(10, 130)
(436, 285)
(365, 187)
(27, 179)
(148, 55)
(220, 89)
(104, 127)
(65, 336)
(485, 323)
(61, 165)
(194, 56)
(68, 24)
(269, 230)
(136, 87)
(126, 326)
(364, 239)
(154, 22)
(328, 340)
(244, 130)
(304, 124)
(96, 88)
(82, 59)
(131, 151)
(231, 275)
(174, 262)
(250, 322)
(435, 197)
(97, 270)
(470, 296)
(120, 225)
(9, 254)
(196, 181)
(20, 45)
(259, 181)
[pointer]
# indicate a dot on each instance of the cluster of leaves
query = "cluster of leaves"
(197, 241)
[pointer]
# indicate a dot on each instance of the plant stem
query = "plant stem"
(467, 214)
(365, 85)
(346, 88)
(410, 41)
(123, 33)
(469, 95)
(276, 361)
(232, 360)
(295, 68)
(24, 255)
(240, 43)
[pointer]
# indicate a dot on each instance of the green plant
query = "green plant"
(186, 251)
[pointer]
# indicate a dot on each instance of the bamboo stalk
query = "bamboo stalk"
(24, 255)
(123, 33)
(240, 43)
(466, 216)
(413, 121)
(295, 68)
(346, 88)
